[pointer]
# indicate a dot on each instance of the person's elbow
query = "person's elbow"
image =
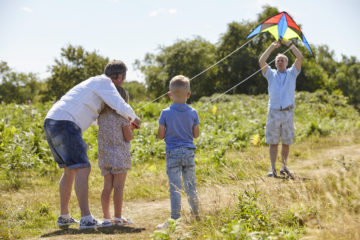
(262, 65)
(262, 62)
(160, 136)
(196, 131)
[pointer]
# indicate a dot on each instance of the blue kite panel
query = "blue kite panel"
(256, 31)
(282, 26)
(307, 44)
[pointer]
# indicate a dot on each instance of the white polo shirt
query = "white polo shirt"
(83, 103)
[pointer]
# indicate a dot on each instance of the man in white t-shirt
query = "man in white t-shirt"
(64, 124)
(281, 88)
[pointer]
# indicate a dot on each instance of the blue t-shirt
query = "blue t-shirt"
(281, 87)
(179, 120)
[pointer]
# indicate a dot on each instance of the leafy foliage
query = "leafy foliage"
(319, 72)
(348, 79)
(232, 122)
(18, 87)
(187, 58)
(75, 65)
(137, 90)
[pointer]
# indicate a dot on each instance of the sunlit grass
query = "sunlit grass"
(231, 160)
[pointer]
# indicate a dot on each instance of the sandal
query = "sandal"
(122, 221)
(107, 223)
(285, 171)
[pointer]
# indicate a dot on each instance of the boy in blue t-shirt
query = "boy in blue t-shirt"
(179, 124)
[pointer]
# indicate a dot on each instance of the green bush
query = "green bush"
(233, 122)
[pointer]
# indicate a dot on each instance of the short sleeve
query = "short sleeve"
(196, 118)
(162, 118)
(269, 75)
(293, 71)
(268, 72)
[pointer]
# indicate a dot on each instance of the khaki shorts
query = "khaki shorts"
(280, 126)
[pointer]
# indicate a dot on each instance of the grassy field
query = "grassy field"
(237, 201)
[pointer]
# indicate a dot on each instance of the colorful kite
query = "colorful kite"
(282, 27)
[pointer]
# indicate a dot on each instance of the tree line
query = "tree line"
(190, 57)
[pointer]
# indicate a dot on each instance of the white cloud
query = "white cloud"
(26, 9)
(163, 11)
(172, 11)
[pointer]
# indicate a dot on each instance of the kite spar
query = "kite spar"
(282, 27)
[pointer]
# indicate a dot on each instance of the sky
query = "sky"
(32, 32)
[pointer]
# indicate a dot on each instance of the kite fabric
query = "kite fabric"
(282, 27)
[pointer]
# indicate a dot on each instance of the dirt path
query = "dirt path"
(147, 214)
(322, 161)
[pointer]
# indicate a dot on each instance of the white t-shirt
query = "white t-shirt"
(83, 103)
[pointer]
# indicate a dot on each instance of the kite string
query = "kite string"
(222, 94)
(213, 65)
(227, 56)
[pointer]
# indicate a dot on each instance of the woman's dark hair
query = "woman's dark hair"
(114, 68)
(123, 93)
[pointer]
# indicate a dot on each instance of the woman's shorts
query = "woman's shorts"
(107, 170)
(66, 143)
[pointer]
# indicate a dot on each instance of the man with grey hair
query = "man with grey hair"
(64, 124)
(281, 89)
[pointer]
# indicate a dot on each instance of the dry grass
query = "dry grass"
(325, 197)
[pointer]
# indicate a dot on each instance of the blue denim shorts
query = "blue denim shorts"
(66, 143)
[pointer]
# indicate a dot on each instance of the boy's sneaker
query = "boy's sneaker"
(272, 173)
(285, 171)
(63, 222)
(163, 225)
(94, 223)
(167, 223)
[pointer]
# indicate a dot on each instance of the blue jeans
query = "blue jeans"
(66, 144)
(181, 162)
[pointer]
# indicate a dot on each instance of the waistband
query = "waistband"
(288, 108)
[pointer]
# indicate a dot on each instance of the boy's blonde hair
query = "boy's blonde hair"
(179, 84)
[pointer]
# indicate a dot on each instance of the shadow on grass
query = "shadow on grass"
(104, 230)
(294, 178)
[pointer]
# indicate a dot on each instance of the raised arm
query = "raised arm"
(265, 56)
(296, 52)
